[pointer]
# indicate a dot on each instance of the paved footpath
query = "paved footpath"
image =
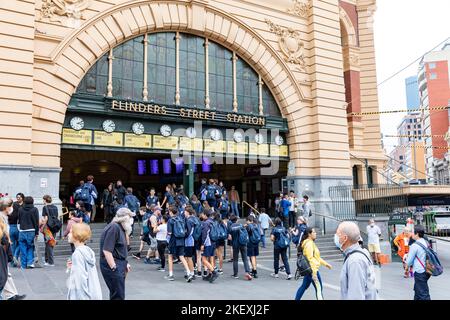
(145, 283)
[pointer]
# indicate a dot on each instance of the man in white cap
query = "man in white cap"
(114, 243)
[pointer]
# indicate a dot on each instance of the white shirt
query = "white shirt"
(161, 235)
(264, 220)
(293, 202)
(373, 234)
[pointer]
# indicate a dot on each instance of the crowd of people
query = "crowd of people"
(194, 233)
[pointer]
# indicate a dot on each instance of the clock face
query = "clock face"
(215, 134)
(138, 128)
(279, 140)
(259, 138)
(191, 132)
(165, 130)
(238, 136)
(77, 123)
(109, 126)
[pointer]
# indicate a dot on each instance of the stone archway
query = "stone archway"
(56, 82)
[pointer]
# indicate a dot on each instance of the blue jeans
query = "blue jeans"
(14, 236)
(26, 243)
(234, 208)
(307, 280)
(421, 290)
(263, 238)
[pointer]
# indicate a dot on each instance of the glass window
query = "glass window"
(247, 85)
(433, 76)
(432, 65)
(192, 66)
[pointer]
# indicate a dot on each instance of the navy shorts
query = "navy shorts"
(220, 243)
(208, 251)
(88, 207)
(176, 250)
(198, 244)
(189, 252)
(252, 250)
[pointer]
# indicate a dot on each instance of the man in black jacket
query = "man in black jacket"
(28, 231)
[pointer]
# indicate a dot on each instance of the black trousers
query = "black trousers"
(162, 245)
(108, 210)
(291, 219)
(285, 221)
(276, 259)
(421, 290)
(49, 254)
(115, 280)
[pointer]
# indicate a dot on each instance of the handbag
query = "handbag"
(303, 265)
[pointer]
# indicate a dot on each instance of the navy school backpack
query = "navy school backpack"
(432, 264)
(179, 227)
(255, 236)
(283, 240)
(85, 194)
(197, 233)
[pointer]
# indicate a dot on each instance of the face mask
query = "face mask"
(336, 242)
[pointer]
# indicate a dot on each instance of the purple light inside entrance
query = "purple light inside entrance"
(167, 166)
(179, 165)
(142, 167)
(206, 165)
(154, 166)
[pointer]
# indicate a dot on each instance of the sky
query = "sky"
(404, 31)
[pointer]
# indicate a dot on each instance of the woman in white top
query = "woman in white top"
(161, 238)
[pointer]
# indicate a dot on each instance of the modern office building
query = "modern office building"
(412, 93)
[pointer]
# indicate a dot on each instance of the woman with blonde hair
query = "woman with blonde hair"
(5, 256)
(83, 282)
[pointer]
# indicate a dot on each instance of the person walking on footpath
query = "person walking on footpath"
(374, 234)
(254, 235)
(416, 258)
(306, 208)
(88, 193)
(14, 228)
(132, 203)
(402, 243)
(233, 196)
(52, 225)
(28, 232)
(107, 203)
(264, 221)
(281, 241)
(207, 246)
(83, 283)
(312, 254)
(292, 209)
(285, 204)
(239, 240)
(357, 278)
(161, 238)
(113, 253)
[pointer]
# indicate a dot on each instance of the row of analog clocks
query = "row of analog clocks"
(138, 128)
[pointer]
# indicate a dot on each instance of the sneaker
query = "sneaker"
(231, 260)
(190, 278)
(254, 275)
(157, 260)
(176, 261)
(289, 277)
(206, 278)
(282, 269)
(161, 269)
(170, 278)
(50, 265)
(220, 271)
(235, 276)
(248, 276)
(18, 297)
(214, 276)
(37, 265)
(137, 255)
(31, 266)
(275, 275)
(198, 274)
(186, 276)
(147, 261)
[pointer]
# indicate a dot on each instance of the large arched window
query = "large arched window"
(244, 94)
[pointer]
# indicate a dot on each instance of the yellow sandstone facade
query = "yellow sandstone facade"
(317, 57)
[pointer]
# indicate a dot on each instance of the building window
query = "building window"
(401, 157)
(409, 127)
(355, 177)
(432, 65)
(433, 76)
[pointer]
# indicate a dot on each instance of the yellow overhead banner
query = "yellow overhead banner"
(71, 136)
(278, 151)
(114, 139)
(253, 149)
(284, 151)
(263, 150)
(215, 146)
(166, 143)
(138, 141)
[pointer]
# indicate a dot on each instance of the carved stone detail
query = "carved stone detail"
(354, 60)
(68, 12)
(290, 43)
(300, 9)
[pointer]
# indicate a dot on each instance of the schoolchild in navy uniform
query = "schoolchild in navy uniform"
(208, 247)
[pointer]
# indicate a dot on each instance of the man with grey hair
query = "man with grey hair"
(358, 274)
(113, 253)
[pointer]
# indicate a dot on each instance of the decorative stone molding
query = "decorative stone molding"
(354, 60)
(300, 9)
(68, 12)
(290, 43)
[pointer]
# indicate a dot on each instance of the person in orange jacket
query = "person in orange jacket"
(402, 243)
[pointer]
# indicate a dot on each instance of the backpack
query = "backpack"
(432, 264)
(223, 232)
(283, 240)
(85, 194)
(243, 236)
(53, 223)
(146, 223)
(255, 236)
(197, 233)
(224, 206)
(214, 233)
(211, 192)
(132, 203)
(179, 227)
